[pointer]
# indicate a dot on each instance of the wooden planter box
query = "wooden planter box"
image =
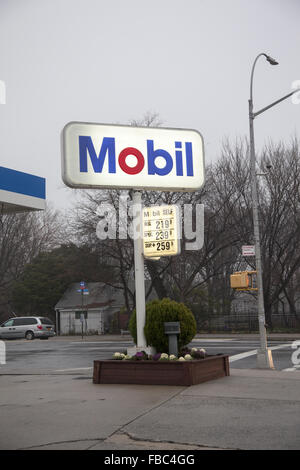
(161, 372)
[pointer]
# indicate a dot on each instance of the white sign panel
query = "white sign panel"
(248, 250)
(110, 156)
(161, 231)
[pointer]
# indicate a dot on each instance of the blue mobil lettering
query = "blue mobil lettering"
(108, 150)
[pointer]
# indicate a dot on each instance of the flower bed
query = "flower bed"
(189, 369)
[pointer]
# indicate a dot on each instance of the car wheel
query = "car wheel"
(29, 335)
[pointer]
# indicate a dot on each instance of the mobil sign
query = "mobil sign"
(113, 156)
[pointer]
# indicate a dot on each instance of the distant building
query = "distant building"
(98, 312)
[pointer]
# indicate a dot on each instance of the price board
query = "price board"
(161, 231)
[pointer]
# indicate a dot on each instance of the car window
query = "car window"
(46, 321)
(24, 321)
(8, 323)
(18, 321)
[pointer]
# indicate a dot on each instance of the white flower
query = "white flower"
(181, 359)
(118, 355)
(127, 356)
(164, 356)
(194, 349)
(188, 357)
(172, 357)
(202, 350)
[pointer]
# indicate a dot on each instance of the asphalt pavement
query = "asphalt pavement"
(68, 354)
(250, 409)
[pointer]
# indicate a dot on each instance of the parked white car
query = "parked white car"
(27, 327)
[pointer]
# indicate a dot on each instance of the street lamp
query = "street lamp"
(264, 355)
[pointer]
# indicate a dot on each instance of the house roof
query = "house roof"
(100, 295)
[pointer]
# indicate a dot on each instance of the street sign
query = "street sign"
(111, 156)
(83, 289)
(248, 250)
(161, 231)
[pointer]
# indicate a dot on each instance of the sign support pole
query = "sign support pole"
(139, 271)
(139, 277)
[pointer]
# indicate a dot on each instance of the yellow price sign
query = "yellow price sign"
(161, 228)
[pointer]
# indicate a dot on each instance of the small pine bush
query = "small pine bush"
(157, 313)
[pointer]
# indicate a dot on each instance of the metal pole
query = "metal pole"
(275, 102)
(81, 316)
(264, 355)
(139, 271)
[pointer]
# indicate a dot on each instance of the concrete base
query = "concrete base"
(265, 359)
(134, 349)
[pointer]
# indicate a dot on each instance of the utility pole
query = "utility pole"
(264, 355)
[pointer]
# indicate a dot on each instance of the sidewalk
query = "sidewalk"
(250, 409)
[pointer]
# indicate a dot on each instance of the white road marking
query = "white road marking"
(281, 346)
(99, 342)
(237, 357)
(218, 340)
(77, 368)
(105, 349)
(292, 369)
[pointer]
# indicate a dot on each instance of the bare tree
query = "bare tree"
(22, 237)
(280, 223)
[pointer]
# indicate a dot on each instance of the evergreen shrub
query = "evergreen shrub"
(157, 313)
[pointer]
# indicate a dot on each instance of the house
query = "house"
(94, 313)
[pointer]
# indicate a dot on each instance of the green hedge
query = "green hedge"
(157, 313)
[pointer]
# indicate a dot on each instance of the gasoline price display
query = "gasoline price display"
(161, 231)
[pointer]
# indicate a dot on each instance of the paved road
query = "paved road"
(73, 354)
(242, 352)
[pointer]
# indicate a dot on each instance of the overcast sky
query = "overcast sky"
(110, 61)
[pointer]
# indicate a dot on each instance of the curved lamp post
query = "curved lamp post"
(264, 355)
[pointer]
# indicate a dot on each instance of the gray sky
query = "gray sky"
(110, 61)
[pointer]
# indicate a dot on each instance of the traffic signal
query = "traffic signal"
(243, 280)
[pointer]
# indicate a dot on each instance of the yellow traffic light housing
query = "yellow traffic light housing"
(243, 280)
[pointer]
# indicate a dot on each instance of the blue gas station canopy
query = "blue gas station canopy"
(20, 191)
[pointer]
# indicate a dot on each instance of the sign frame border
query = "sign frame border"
(70, 184)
